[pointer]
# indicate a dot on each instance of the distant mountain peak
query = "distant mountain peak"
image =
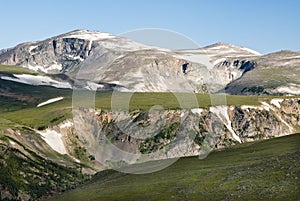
(88, 35)
(221, 46)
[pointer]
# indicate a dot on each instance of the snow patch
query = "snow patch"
(251, 51)
(197, 111)
(276, 102)
(37, 80)
(196, 58)
(127, 45)
(37, 68)
(90, 47)
(234, 75)
(89, 35)
(32, 48)
(290, 89)
(293, 57)
(66, 124)
(218, 61)
(245, 107)
(289, 126)
(138, 74)
(93, 86)
(52, 100)
(221, 112)
(12, 143)
(54, 66)
(182, 114)
(218, 47)
(266, 106)
(53, 139)
(75, 57)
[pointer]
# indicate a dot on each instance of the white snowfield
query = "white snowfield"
(276, 102)
(52, 100)
(93, 86)
(266, 106)
(196, 58)
(37, 80)
(110, 41)
(90, 35)
(245, 107)
(53, 139)
(66, 124)
(219, 61)
(197, 111)
(54, 66)
(222, 114)
(251, 51)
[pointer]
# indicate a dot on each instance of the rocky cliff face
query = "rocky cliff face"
(177, 133)
(51, 56)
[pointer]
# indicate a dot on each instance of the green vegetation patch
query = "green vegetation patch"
(6, 69)
(264, 170)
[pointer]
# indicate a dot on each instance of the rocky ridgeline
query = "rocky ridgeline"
(104, 58)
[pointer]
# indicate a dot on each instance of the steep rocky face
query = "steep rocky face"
(50, 56)
(235, 68)
(164, 134)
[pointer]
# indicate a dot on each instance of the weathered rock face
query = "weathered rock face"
(235, 68)
(51, 56)
(164, 134)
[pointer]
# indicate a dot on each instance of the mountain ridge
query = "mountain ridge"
(135, 67)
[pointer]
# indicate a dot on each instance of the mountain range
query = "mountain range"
(54, 136)
(130, 66)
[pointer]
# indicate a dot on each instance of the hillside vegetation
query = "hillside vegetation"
(263, 170)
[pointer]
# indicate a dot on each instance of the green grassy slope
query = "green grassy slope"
(25, 111)
(264, 170)
(7, 70)
(18, 102)
(27, 171)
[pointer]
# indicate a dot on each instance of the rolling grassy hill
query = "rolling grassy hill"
(263, 170)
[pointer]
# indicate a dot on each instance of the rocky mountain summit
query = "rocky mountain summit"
(104, 58)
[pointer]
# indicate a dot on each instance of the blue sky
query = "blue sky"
(263, 25)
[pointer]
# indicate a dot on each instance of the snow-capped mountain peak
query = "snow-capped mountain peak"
(88, 35)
